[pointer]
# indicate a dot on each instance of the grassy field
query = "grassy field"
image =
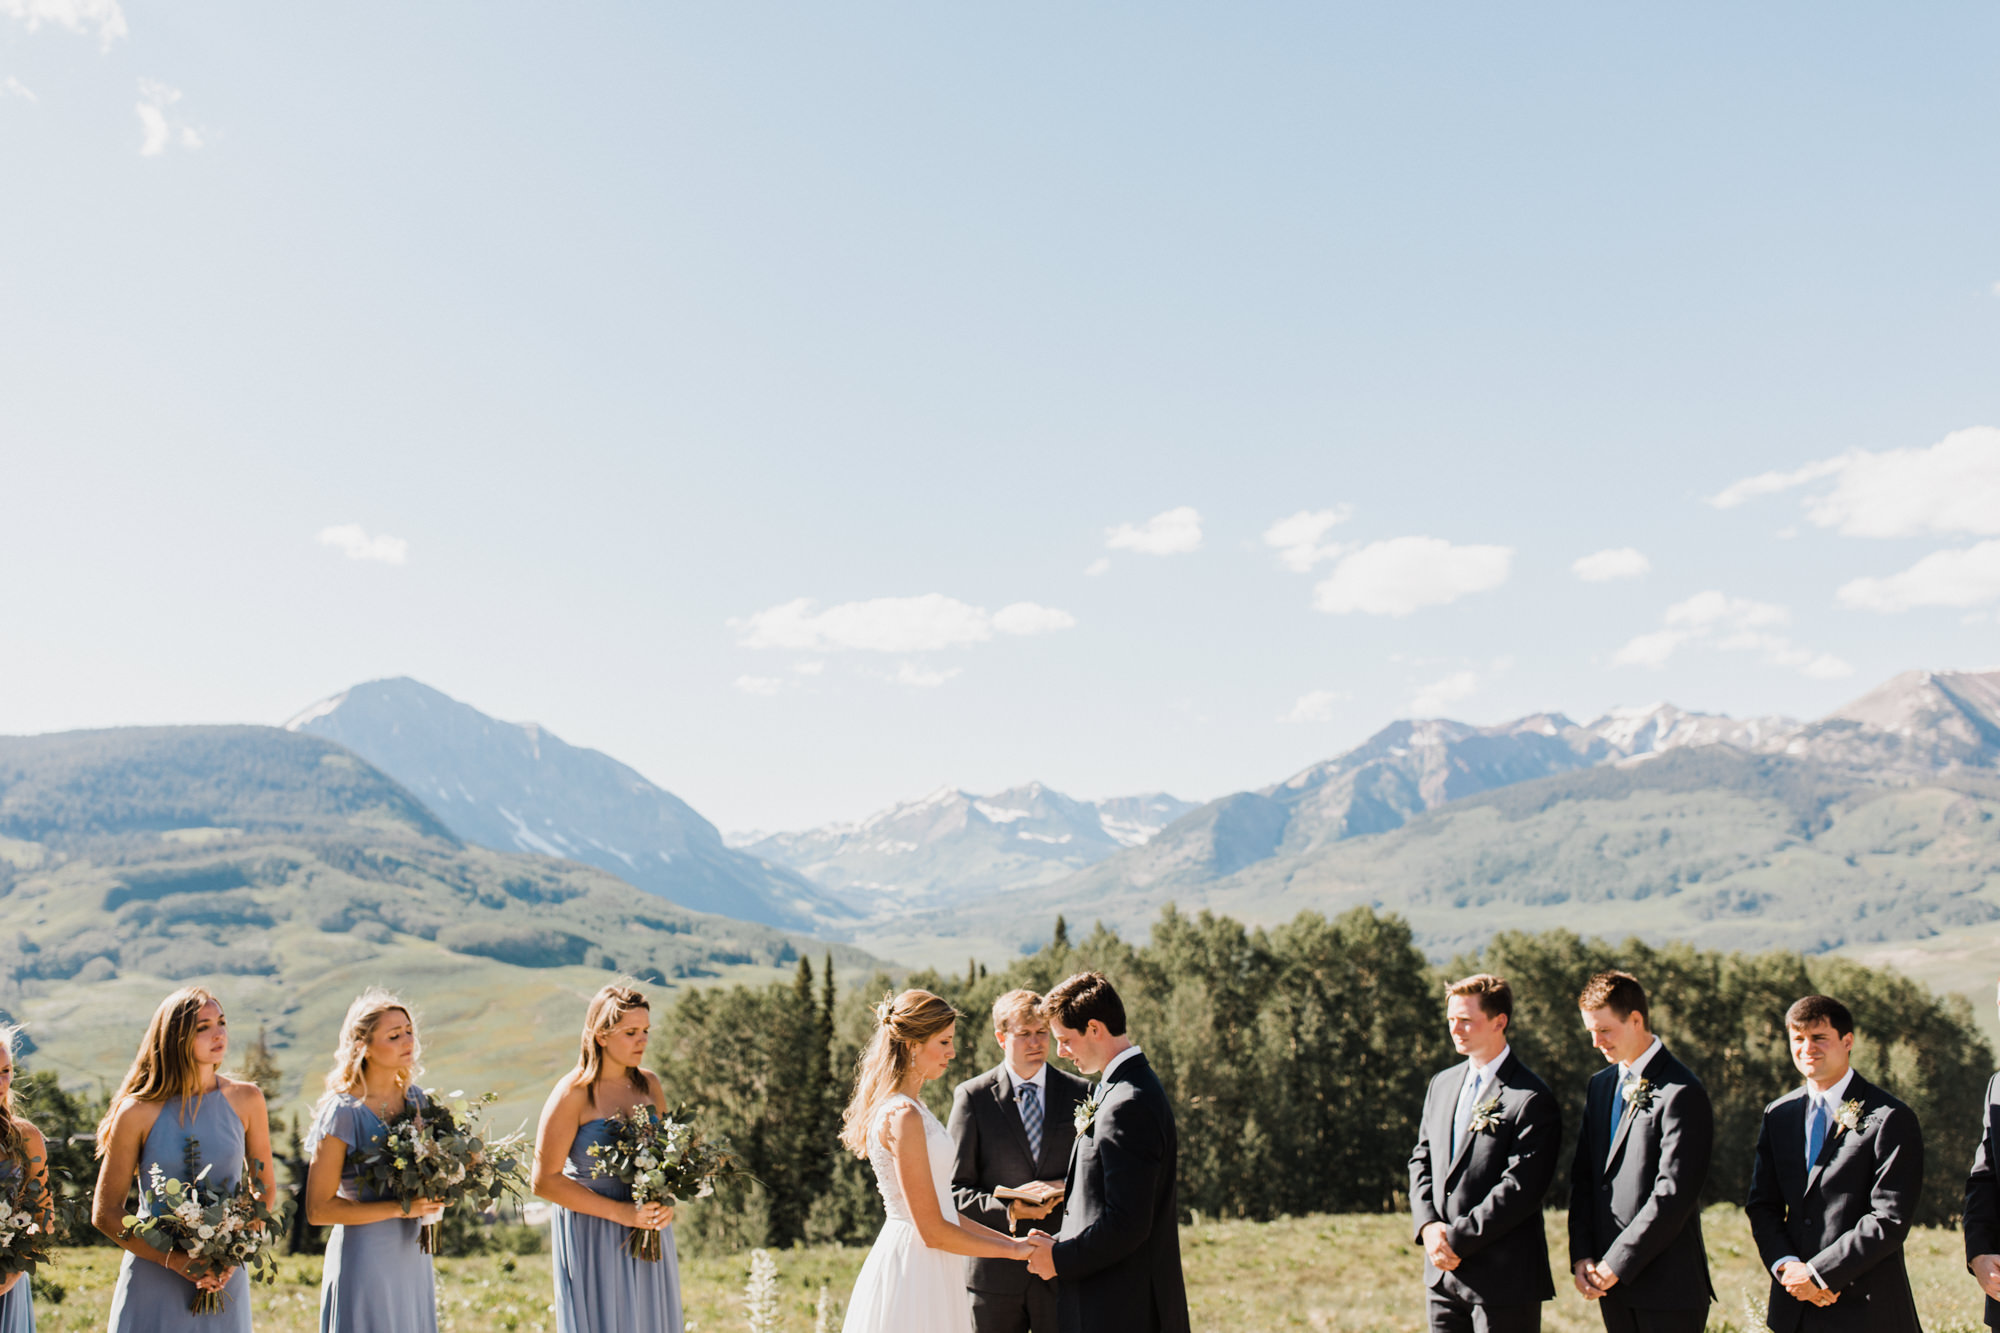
(1348, 1273)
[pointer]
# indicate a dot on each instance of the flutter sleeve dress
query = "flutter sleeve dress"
(599, 1287)
(377, 1279)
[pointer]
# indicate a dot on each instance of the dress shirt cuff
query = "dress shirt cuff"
(1793, 1259)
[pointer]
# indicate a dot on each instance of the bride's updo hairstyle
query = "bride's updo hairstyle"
(901, 1025)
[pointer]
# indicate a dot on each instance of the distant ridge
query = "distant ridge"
(519, 787)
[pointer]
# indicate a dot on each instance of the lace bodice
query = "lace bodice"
(936, 1140)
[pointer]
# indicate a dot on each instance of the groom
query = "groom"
(1119, 1253)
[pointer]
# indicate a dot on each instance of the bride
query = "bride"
(914, 1278)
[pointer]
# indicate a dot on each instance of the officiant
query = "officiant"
(1012, 1127)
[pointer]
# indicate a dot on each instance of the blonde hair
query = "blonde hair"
(607, 1010)
(1014, 1007)
(165, 1066)
(10, 1124)
(901, 1025)
(350, 1052)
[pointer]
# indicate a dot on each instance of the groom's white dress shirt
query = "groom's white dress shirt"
(1116, 1061)
(1478, 1081)
(1040, 1080)
(1829, 1101)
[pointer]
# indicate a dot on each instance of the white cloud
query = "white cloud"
(924, 678)
(1027, 618)
(1175, 532)
(105, 17)
(1953, 486)
(764, 686)
(353, 541)
(923, 624)
(1298, 540)
(1618, 562)
(1996, 289)
(1970, 577)
(1315, 706)
(13, 87)
(812, 668)
(1442, 694)
(1731, 625)
(1098, 566)
(1404, 574)
(159, 131)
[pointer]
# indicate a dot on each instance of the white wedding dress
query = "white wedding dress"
(906, 1286)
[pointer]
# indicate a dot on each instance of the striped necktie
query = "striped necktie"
(1031, 1116)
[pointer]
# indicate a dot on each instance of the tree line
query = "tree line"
(1297, 1057)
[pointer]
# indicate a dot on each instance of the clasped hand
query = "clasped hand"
(1594, 1279)
(1797, 1279)
(1020, 1210)
(1438, 1250)
(1986, 1271)
(1041, 1254)
(652, 1216)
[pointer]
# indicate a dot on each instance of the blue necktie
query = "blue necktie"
(1815, 1132)
(1463, 1117)
(1618, 1100)
(1031, 1117)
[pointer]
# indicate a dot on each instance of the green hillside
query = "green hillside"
(286, 874)
(1711, 845)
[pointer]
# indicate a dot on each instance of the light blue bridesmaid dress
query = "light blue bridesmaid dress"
(377, 1279)
(148, 1298)
(599, 1287)
(17, 1308)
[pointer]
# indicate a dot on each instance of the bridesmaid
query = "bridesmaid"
(175, 1091)
(377, 1279)
(599, 1287)
(22, 1152)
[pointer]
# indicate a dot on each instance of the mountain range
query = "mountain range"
(516, 786)
(952, 846)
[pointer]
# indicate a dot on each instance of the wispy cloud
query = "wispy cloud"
(1619, 562)
(1970, 577)
(104, 18)
(1951, 487)
(354, 542)
(763, 686)
(923, 677)
(929, 623)
(1315, 706)
(1403, 575)
(159, 130)
(13, 87)
(1300, 540)
(1101, 565)
(1441, 694)
(1175, 532)
(1718, 621)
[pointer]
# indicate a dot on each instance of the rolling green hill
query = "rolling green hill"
(286, 874)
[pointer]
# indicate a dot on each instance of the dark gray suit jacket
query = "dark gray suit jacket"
(992, 1151)
(1489, 1194)
(1635, 1198)
(1119, 1252)
(1847, 1216)
(1982, 1193)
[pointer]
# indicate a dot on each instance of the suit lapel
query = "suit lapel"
(1010, 1111)
(1625, 1119)
(1059, 1109)
(1788, 1137)
(1836, 1137)
(1494, 1088)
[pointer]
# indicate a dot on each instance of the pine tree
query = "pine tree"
(1060, 941)
(261, 1067)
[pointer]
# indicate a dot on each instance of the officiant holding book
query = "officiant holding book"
(1013, 1127)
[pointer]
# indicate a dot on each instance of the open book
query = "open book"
(1035, 1192)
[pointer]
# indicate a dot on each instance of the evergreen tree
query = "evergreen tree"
(260, 1066)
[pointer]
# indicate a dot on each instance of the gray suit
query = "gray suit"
(992, 1151)
(1846, 1215)
(1635, 1198)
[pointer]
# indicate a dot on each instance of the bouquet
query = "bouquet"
(25, 1222)
(663, 1159)
(218, 1229)
(441, 1149)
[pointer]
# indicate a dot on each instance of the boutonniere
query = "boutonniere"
(1086, 1110)
(1638, 1096)
(1485, 1116)
(1848, 1116)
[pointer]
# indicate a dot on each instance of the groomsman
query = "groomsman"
(1485, 1157)
(1641, 1161)
(1013, 1124)
(1982, 1207)
(1840, 1165)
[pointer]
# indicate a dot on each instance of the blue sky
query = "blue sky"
(805, 404)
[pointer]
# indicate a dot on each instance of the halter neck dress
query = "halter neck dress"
(148, 1298)
(599, 1287)
(376, 1278)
